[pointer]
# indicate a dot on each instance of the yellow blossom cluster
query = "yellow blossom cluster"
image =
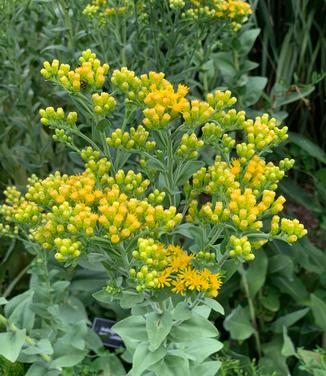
(234, 11)
(160, 266)
(104, 9)
(89, 75)
(103, 103)
(242, 195)
(161, 102)
(65, 212)
(264, 132)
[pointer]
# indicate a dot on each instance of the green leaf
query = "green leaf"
(181, 312)
(37, 370)
(209, 368)
(130, 299)
(273, 361)
(281, 264)
(202, 310)
(288, 320)
(143, 359)
(201, 349)
(256, 273)
(3, 300)
(158, 327)
(103, 296)
(270, 299)
(18, 310)
(133, 327)
(11, 344)
(308, 146)
(318, 307)
(172, 365)
(302, 91)
(247, 40)
(293, 287)
(238, 323)
(224, 62)
(195, 327)
(69, 360)
(229, 268)
(43, 346)
(214, 305)
(254, 89)
(288, 348)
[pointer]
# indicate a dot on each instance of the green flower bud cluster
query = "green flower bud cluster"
(55, 118)
(212, 134)
(221, 100)
(228, 143)
(287, 229)
(67, 249)
(89, 153)
(176, 4)
(103, 103)
(112, 288)
(189, 146)
(13, 196)
(231, 120)
(156, 197)
(60, 135)
(148, 253)
(245, 152)
(137, 139)
(100, 167)
(216, 179)
(131, 183)
(7, 230)
(207, 257)
(240, 247)
(208, 213)
(126, 81)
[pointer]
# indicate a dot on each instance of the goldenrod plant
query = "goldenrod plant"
(171, 191)
(177, 37)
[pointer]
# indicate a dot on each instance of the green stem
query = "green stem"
(15, 281)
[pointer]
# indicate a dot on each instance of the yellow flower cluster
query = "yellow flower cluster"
(162, 103)
(89, 75)
(136, 139)
(171, 267)
(197, 112)
(234, 11)
(189, 146)
(264, 132)
(102, 10)
(65, 212)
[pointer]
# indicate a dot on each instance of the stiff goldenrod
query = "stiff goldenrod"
(145, 180)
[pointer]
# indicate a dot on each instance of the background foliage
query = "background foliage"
(275, 307)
